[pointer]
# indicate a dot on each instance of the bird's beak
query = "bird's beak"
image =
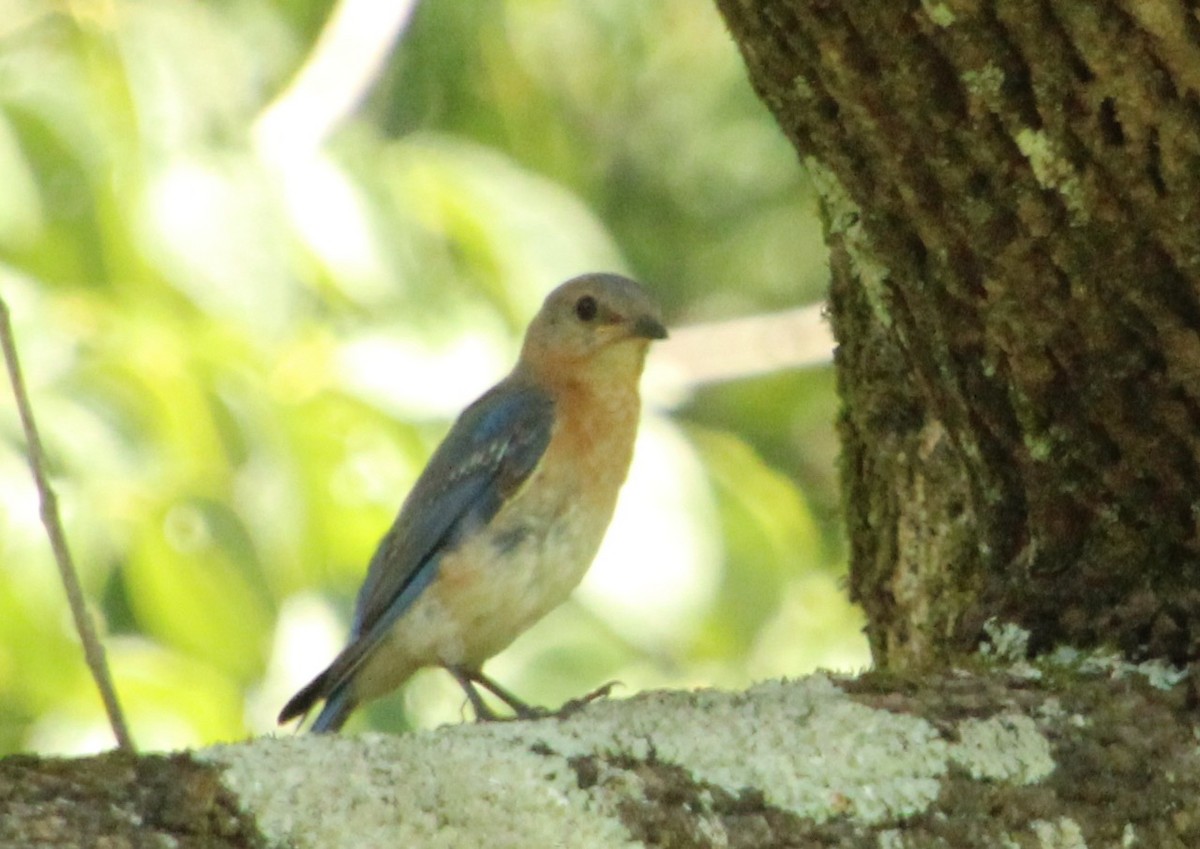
(648, 327)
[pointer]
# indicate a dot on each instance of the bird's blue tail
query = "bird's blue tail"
(335, 711)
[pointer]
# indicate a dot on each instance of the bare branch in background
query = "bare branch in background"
(344, 63)
(719, 351)
(92, 649)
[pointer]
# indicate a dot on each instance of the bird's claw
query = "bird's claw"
(575, 705)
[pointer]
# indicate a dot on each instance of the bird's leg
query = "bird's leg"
(467, 679)
(483, 713)
(520, 709)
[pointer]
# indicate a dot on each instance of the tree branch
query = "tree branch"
(734, 349)
(1073, 751)
(345, 62)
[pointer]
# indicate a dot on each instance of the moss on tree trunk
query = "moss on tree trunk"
(1012, 200)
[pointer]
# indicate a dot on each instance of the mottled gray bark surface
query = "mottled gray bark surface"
(1001, 756)
(1012, 196)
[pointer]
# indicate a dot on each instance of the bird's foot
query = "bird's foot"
(468, 678)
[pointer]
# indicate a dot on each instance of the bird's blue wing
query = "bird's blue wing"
(490, 451)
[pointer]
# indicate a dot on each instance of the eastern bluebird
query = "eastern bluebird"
(509, 512)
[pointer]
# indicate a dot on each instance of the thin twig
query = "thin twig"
(92, 649)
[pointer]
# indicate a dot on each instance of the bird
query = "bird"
(509, 512)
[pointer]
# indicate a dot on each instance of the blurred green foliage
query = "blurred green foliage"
(241, 360)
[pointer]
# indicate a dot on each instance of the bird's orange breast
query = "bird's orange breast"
(536, 550)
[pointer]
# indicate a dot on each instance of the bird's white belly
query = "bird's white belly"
(495, 586)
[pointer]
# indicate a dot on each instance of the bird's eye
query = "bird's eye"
(586, 308)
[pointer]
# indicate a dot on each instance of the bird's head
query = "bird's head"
(590, 323)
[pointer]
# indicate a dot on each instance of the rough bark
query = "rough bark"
(1000, 756)
(1012, 199)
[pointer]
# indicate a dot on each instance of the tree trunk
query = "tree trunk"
(1011, 194)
